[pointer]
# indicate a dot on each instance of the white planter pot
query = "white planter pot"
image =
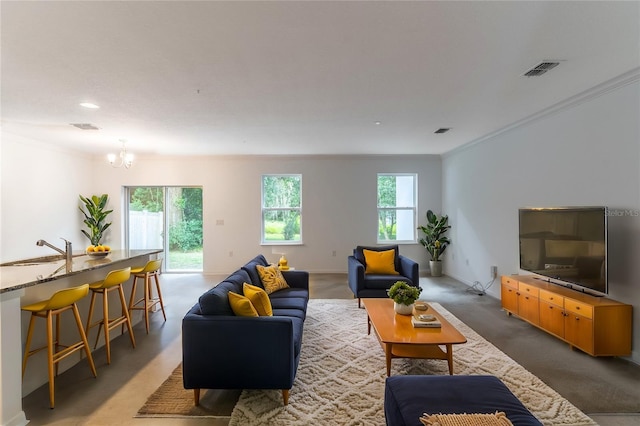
(435, 266)
(403, 309)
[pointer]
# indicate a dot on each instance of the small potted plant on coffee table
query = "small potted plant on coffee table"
(404, 296)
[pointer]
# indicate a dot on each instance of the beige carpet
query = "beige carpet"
(341, 375)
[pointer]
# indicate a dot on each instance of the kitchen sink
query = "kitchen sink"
(37, 260)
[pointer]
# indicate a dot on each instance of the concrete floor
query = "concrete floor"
(595, 385)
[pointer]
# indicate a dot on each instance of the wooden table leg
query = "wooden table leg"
(387, 352)
(450, 358)
(368, 325)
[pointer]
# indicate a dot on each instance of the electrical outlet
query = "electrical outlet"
(333, 253)
(494, 271)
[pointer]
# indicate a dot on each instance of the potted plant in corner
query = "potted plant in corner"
(434, 240)
(404, 296)
(95, 218)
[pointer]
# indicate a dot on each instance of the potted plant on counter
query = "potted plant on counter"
(404, 296)
(434, 240)
(95, 217)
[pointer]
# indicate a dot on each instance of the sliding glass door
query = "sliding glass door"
(170, 218)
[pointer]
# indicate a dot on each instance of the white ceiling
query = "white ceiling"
(299, 77)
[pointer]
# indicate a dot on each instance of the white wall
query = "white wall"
(40, 188)
(338, 201)
(587, 154)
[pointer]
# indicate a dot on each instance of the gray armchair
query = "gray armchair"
(375, 285)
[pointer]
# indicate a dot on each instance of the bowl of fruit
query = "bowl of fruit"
(98, 251)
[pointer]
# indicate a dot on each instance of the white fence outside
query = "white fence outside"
(145, 230)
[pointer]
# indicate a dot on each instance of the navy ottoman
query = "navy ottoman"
(406, 398)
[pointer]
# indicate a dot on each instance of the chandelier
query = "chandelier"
(126, 159)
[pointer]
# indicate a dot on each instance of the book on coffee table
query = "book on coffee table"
(425, 321)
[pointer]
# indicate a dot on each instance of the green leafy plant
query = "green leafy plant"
(434, 240)
(291, 228)
(186, 235)
(403, 293)
(95, 217)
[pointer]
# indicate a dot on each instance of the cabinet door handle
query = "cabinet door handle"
(577, 319)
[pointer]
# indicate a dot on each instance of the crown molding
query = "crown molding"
(608, 86)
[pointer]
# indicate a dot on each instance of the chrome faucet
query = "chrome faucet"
(68, 251)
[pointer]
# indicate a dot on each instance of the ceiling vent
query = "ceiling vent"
(541, 68)
(442, 130)
(85, 126)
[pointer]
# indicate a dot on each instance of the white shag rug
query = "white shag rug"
(341, 375)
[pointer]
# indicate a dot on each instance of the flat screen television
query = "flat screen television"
(566, 245)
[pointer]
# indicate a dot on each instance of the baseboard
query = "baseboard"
(311, 271)
(469, 284)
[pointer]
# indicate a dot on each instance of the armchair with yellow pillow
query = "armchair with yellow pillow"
(373, 270)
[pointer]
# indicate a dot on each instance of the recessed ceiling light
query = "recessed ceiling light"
(89, 105)
(377, 123)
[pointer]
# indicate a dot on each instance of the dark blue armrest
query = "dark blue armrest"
(355, 274)
(297, 279)
(227, 352)
(409, 269)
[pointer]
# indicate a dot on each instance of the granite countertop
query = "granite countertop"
(32, 272)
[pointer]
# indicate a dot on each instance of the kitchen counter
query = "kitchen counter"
(30, 280)
(30, 272)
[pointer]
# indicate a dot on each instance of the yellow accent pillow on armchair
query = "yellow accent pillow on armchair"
(380, 262)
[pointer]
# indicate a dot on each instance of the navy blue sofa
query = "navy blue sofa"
(224, 351)
(375, 285)
(406, 398)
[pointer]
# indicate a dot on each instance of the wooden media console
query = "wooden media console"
(598, 326)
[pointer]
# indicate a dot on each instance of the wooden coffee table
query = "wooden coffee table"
(400, 339)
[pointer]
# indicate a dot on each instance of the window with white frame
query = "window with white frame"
(397, 201)
(282, 209)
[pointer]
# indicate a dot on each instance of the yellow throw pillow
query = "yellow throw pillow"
(271, 278)
(241, 305)
(380, 262)
(259, 299)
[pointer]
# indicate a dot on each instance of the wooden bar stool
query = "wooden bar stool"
(147, 302)
(61, 301)
(112, 282)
